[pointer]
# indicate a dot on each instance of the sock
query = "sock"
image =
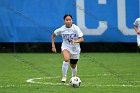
(65, 68)
(74, 71)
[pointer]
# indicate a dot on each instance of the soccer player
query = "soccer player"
(72, 36)
(137, 29)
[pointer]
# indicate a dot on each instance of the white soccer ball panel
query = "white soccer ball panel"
(75, 81)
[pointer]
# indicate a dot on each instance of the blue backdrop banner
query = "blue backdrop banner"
(99, 20)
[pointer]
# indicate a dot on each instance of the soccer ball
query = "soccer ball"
(75, 82)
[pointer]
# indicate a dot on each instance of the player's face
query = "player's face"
(68, 21)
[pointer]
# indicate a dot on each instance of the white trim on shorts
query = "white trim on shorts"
(75, 56)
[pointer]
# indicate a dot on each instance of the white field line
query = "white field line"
(34, 81)
(107, 75)
(12, 85)
(58, 84)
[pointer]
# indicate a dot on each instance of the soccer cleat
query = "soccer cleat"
(63, 79)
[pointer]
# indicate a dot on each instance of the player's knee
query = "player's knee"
(73, 66)
(66, 58)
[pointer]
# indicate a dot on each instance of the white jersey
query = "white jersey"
(68, 34)
(137, 24)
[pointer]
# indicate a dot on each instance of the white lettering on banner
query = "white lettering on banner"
(122, 18)
(121, 7)
(81, 21)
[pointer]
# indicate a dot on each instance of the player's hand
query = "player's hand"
(54, 50)
(73, 41)
(138, 32)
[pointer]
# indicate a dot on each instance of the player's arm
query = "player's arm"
(81, 39)
(136, 29)
(53, 44)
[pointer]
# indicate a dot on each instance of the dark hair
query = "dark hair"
(67, 15)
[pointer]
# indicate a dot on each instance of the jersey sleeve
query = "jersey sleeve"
(79, 32)
(57, 32)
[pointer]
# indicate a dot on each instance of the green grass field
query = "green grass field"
(99, 72)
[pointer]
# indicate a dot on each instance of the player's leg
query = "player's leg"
(138, 41)
(138, 49)
(139, 46)
(73, 63)
(66, 56)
